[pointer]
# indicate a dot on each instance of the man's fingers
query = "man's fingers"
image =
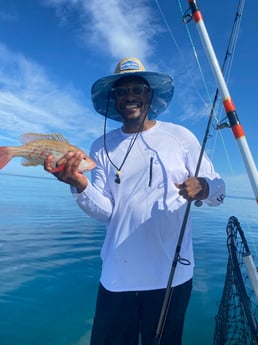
(66, 167)
(194, 188)
(48, 163)
(180, 185)
(73, 161)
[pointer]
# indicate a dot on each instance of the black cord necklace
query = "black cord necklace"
(132, 142)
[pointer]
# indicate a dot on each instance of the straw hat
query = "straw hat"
(161, 85)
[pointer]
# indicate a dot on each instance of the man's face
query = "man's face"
(133, 96)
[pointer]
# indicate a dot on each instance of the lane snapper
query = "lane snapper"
(37, 147)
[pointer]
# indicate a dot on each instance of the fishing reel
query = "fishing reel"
(198, 203)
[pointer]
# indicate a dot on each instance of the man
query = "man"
(139, 189)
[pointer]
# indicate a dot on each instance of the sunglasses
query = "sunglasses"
(136, 90)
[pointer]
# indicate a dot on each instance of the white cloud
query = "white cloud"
(126, 27)
(30, 101)
(117, 28)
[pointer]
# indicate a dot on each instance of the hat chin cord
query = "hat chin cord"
(132, 142)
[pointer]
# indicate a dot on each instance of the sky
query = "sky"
(52, 51)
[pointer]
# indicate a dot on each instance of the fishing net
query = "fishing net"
(236, 321)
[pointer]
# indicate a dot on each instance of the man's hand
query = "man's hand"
(66, 170)
(194, 188)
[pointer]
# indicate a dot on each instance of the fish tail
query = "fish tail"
(5, 156)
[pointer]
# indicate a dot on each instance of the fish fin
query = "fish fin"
(29, 163)
(5, 156)
(28, 137)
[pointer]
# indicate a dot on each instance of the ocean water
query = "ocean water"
(50, 265)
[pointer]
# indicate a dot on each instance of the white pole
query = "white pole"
(227, 101)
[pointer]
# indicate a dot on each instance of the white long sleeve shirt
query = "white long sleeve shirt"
(143, 214)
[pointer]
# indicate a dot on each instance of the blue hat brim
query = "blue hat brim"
(161, 84)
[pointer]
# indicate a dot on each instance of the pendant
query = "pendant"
(117, 179)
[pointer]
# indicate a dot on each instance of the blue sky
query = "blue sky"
(51, 52)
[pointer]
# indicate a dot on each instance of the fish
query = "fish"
(37, 147)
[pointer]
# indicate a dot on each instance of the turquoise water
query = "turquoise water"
(49, 264)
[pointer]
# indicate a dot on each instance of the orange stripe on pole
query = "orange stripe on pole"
(229, 105)
(238, 131)
(197, 16)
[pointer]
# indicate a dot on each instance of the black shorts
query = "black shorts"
(123, 318)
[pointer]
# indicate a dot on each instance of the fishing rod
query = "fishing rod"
(227, 101)
(177, 258)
